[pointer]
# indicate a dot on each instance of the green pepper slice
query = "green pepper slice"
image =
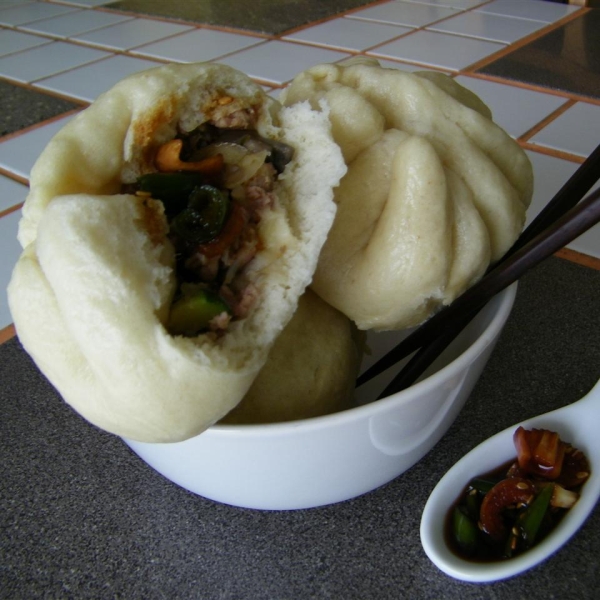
(191, 314)
(173, 189)
(531, 519)
(465, 531)
(483, 486)
(204, 217)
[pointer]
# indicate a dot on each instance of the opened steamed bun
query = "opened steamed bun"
(92, 289)
(435, 191)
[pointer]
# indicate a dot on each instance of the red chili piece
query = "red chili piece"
(539, 452)
(508, 492)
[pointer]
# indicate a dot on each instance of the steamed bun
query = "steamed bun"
(435, 191)
(311, 369)
(91, 291)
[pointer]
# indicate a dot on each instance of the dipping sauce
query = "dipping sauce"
(507, 511)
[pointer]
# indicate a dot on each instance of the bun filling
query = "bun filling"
(216, 184)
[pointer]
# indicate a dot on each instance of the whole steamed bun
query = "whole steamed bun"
(435, 191)
(311, 370)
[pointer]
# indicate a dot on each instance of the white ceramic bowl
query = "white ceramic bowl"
(303, 464)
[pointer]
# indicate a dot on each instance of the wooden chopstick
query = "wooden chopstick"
(425, 337)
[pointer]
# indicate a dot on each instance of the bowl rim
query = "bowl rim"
(505, 298)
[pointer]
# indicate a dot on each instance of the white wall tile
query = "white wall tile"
(15, 41)
(43, 61)
(462, 4)
(34, 11)
(132, 33)
(12, 193)
(279, 62)
(198, 45)
(438, 49)
(576, 131)
(550, 174)
(88, 82)
(10, 250)
(349, 34)
(496, 28)
(529, 9)
(515, 109)
(18, 154)
(75, 23)
(404, 13)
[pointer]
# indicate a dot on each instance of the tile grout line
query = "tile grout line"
(585, 260)
(339, 15)
(548, 151)
(525, 137)
(514, 83)
(524, 41)
(7, 333)
(11, 209)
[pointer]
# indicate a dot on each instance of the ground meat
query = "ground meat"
(220, 323)
(242, 118)
(259, 189)
(204, 267)
(242, 301)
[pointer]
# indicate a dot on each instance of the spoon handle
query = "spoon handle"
(589, 405)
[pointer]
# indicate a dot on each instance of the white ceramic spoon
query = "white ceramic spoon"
(577, 424)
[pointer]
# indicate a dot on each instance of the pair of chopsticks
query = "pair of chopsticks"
(562, 220)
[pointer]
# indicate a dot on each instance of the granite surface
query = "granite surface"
(566, 59)
(21, 107)
(82, 517)
(264, 16)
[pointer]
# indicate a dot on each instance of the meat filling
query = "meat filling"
(216, 183)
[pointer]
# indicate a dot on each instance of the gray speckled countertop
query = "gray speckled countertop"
(83, 517)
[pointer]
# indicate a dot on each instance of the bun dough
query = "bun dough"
(311, 370)
(435, 191)
(90, 293)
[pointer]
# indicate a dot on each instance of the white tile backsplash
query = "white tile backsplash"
(18, 154)
(88, 3)
(132, 33)
(15, 41)
(462, 4)
(576, 131)
(278, 62)
(550, 174)
(33, 11)
(515, 109)
(75, 23)
(12, 193)
(538, 10)
(349, 34)
(411, 14)
(198, 45)
(437, 49)
(486, 26)
(43, 61)
(10, 250)
(88, 82)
